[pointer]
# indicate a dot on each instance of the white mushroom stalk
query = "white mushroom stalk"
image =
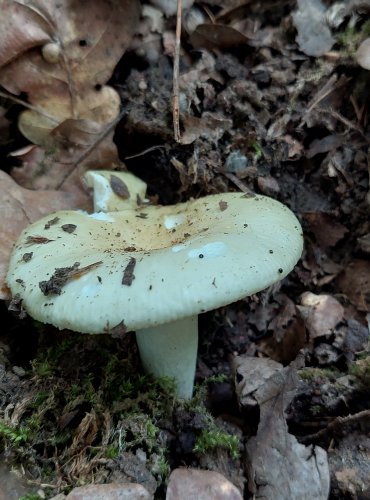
(153, 269)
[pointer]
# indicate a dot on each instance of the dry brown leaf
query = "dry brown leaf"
(65, 77)
(210, 36)
(20, 207)
(250, 375)
(63, 163)
(288, 334)
(85, 433)
(355, 283)
(326, 229)
(321, 313)
(210, 126)
(92, 37)
(100, 106)
(22, 27)
(280, 467)
(364, 243)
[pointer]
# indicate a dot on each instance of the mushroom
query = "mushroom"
(153, 269)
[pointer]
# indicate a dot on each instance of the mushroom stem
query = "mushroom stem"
(170, 350)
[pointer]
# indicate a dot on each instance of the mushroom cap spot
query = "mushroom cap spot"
(105, 198)
(174, 275)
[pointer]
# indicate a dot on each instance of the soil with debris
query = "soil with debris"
(272, 99)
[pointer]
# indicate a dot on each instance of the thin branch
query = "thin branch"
(146, 151)
(29, 106)
(176, 65)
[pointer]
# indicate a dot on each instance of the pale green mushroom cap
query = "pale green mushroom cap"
(135, 269)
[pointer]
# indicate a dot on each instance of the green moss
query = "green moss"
(30, 496)
(312, 374)
(349, 39)
(316, 410)
(212, 436)
(90, 403)
(212, 439)
(361, 370)
(258, 151)
(111, 451)
(14, 436)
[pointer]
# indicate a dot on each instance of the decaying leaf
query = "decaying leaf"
(99, 108)
(288, 333)
(210, 36)
(355, 284)
(250, 375)
(209, 126)
(321, 313)
(326, 229)
(63, 165)
(93, 36)
(22, 28)
(20, 207)
(278, 466)
(63, 60)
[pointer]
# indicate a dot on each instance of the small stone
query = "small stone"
(235, 162)
(112, 491)
(200, 484)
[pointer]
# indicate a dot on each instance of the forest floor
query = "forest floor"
(274, 102)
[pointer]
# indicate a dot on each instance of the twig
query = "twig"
(28, 106)
(336, 425)
(146, 151)
(176, 64)
(238, 183)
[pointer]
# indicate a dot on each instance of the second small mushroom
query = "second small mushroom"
(153, 269)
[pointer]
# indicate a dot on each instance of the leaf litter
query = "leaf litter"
(272, 100)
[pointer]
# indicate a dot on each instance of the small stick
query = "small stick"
(29, 106)
(176, 64)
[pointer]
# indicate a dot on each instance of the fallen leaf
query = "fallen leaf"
(326, 229)
(327, 143)
(63, 164)
(321, 313)
(65, 77)
(250, 374)
(20, 207)
(93, 37)
(21, 29)
(209, 125)
(210, 36)
(278, 466)
(355, 283)
(364, 243)
(101, 107)
(288, 334)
